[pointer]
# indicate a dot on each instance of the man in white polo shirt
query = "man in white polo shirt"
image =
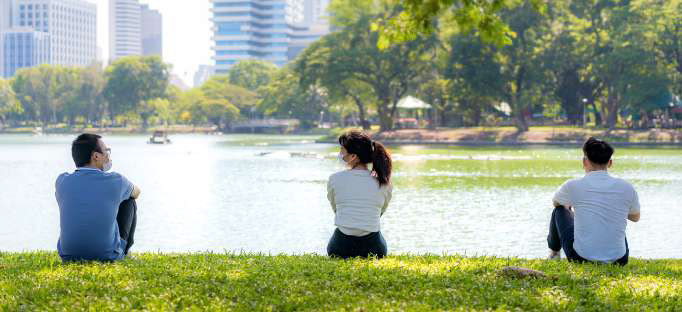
(591, 212)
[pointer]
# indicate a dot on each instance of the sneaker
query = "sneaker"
(553, 255)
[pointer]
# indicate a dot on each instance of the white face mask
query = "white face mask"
(339, 157)
(107, 166)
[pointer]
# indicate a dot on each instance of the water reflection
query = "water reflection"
(268, 194)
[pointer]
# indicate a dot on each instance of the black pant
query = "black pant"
(347, 246)
(561, 235)
(127, 221)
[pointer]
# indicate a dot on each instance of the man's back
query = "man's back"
(88, 204)
(602, 204)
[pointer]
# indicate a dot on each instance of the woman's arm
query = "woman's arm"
(330, 195)
(388, 195)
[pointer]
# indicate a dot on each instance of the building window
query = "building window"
(229, 28)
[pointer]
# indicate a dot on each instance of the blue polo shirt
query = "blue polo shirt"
(88, 202)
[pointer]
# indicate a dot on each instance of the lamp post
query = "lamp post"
(584, 112)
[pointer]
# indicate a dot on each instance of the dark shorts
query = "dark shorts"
(347, 246)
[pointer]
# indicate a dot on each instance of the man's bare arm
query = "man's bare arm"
(136, 192)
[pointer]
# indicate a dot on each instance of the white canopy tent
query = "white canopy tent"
(414, 107)
(410, 102)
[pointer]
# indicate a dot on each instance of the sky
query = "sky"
(186, 33)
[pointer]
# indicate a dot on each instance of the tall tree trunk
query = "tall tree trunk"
(597, 115)
(611, 109)
(361, 112)
(519, 116)
(385, 116)
(477, 116)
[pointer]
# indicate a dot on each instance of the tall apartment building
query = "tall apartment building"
(267, 30)
(315, 12)
(152, 39)
(5, 14)
(67, 28)
(134, 29)
(125, 28)
(24, 48)
(203, 73)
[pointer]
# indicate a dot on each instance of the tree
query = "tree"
(251, 74)
(474, 71)
(670, 40)
(8, 101)
(189, 106)
(71, 103)
(418, 19)
(312, 66)
(352, 53)
(91, 92)
(219, 88)
(285, 97)
(220, 112)
(42, 91)
(132, 81)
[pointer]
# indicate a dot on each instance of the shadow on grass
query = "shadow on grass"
(317, 283)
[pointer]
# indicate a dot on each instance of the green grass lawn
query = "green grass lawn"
(163, 282)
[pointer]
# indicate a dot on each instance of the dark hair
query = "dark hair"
(368, 151)
(83, 147)
(597, 151)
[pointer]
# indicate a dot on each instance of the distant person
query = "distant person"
(591, 212)
(359, 197)
(97, 209)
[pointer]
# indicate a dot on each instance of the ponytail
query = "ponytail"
(381, 163)
(368, 151)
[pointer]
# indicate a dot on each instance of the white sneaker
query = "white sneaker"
(553, 255)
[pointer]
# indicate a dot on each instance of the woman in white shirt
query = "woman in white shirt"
(359, 197)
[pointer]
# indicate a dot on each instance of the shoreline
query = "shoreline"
(536, 136)
(519, 144)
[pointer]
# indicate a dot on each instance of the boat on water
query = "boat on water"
(159, 137)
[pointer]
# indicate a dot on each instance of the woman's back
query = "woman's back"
(357, 199)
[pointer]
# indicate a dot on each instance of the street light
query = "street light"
(584, 112)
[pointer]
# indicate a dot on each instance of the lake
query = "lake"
(268, 194)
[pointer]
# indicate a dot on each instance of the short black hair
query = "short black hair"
(597, 151)
(83, 147)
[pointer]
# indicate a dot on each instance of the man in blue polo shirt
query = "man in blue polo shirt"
(97, 209)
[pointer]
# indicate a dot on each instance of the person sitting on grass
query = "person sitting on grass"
(97, 209)
(359, 197)
(591, 213)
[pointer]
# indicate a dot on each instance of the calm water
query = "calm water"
(268, 194)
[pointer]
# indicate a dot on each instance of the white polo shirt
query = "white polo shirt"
(602, 204)
(358, 201)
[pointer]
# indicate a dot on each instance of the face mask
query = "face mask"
(339, 157)
(107, 166)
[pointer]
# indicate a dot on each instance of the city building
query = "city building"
(203, 73)
(5, 14)
(134, 29)
(152, 37)
(70, 26)
(22, 48)
(125, 28)
(269, 30)
(315, 12)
